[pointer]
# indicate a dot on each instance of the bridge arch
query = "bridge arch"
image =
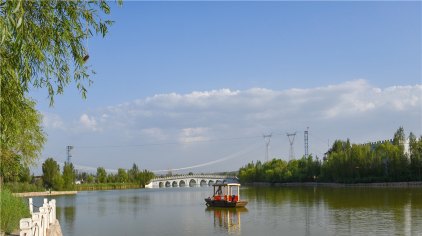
(186, 180)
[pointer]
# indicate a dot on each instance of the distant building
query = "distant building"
(375, 144)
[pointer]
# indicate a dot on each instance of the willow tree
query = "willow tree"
(42, 45)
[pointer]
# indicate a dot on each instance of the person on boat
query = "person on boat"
(219, 191)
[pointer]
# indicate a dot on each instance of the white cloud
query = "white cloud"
(88, 122)
(189, 135)
(155, 133)
(355, 110)
(53, 121)
(252, 108)
(194, 128)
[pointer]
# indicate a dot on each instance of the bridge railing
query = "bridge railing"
(39, 221)
(192, 176)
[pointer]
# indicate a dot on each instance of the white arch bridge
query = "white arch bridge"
(187, 181)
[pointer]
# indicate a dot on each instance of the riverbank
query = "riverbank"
(45, 193)
(314, 184)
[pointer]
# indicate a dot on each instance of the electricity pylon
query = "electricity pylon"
(291, 137)
(267, 140)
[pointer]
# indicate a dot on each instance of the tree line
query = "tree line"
(54, 179)
(346, 163)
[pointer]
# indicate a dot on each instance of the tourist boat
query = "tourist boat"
(225, 195)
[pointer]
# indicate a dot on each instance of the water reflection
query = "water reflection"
(271, 211)
(345, 211)
(66, 211)
(227, 219)
(69, 215)
(102, 206)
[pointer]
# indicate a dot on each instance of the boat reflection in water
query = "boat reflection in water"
(227, 219)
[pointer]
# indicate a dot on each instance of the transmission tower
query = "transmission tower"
(291, 137)
(306, 142)
(267, 140)
(69, 155)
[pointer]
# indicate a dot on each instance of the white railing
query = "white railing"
(40, 221)
(193, 176)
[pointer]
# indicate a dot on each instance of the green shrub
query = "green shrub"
(12, 209)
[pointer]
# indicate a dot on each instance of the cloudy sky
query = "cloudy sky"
(194, 86)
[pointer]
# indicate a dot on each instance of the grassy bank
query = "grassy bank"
(105, 186)
(12, 209)
(17, 187)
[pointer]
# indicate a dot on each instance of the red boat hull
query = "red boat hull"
(224, 203)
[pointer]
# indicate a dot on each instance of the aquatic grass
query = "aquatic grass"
(12, 209)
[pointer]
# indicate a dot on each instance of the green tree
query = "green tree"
(25, 175)
(145, 177)
(122, 175)
(10, 168)
(415, 148)
(399, 138)
(42, 44)
(90, 179)
(58, 182)
(21, 134)
(69, 176)
(101, 175)
(133, 173)
(111, 178)
(51, 174)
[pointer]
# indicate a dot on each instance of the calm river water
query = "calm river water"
(271, 211)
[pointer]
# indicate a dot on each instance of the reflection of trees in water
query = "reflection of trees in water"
(59, 213)
(131, 203)
(227, 219)
(393, 209)
(101, 206)
(282, 195)
(336, 197)
(66, 210)
(69, 215)
(383, 210)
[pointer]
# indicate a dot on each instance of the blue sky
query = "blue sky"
(203, 76)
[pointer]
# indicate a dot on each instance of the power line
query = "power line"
(167, 143)
(228, 157)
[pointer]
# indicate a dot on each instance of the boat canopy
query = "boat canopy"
(226, 184)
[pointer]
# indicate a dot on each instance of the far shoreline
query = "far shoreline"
(410, 184)
(326, 184)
